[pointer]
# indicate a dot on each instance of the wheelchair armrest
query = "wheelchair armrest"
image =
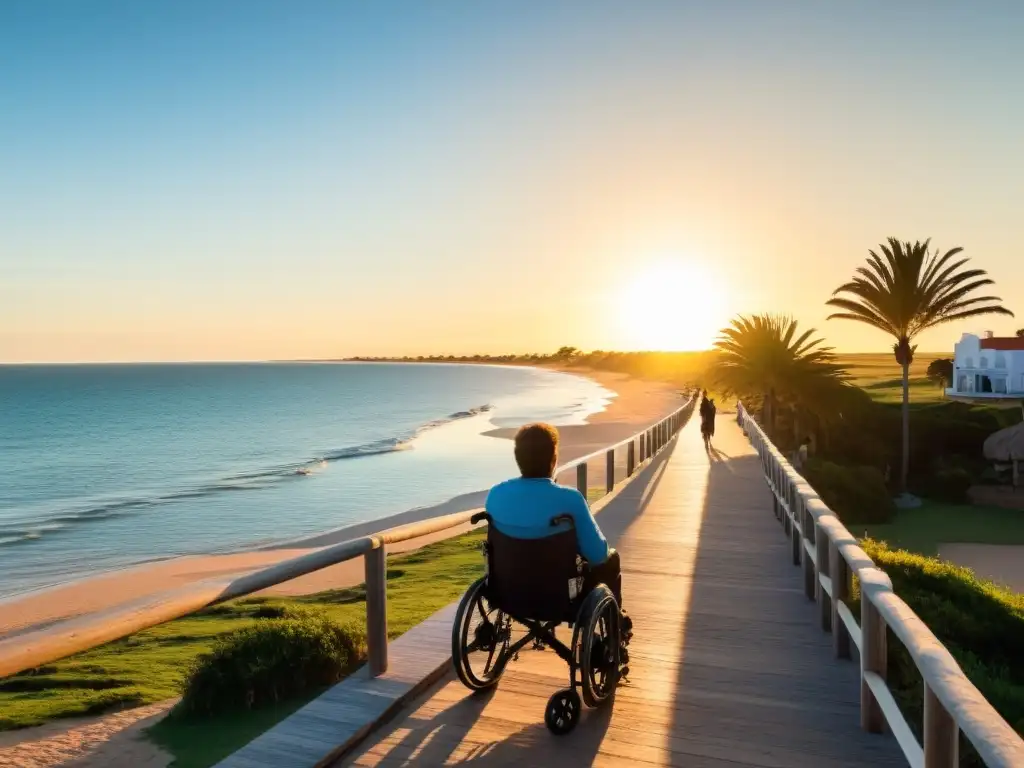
(559, 519)
(480, 516)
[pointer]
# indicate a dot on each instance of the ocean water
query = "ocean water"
(107, 466)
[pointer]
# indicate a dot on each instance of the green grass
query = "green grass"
(202, 743)
(881, 377)
(150, 666)
(921, 530)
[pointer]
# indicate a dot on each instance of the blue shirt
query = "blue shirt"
(523, 508)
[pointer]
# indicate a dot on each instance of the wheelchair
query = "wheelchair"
(536, 585)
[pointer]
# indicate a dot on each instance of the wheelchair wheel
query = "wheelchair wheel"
(563, 712)
(598, 646)
(480, 638)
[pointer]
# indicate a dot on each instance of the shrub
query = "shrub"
(981, 625)
(855, 494)
(946, 484)
(269, 661)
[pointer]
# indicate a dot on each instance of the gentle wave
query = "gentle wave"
(26, 531)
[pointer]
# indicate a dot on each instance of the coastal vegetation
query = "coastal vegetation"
(768, 355)
(905, 291)
(980, 623)
(242, 645)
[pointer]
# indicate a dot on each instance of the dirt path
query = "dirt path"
(110, 741)
(1002, 563)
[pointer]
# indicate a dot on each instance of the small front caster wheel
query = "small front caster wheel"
(563, 712)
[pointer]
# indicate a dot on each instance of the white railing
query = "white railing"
(830, 557)
(42, 646)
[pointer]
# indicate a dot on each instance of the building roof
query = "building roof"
(1005, 343)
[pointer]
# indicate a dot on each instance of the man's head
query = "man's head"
(537, 450)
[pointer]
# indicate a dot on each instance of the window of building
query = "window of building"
(983, 363)
(1000, 360)
(999, 385)
(969, 362)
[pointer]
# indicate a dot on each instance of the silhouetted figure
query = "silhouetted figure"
(707, 419)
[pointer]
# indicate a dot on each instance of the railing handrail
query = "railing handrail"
(36, 647)
(830, 556)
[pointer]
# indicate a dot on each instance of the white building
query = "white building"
(988, 368)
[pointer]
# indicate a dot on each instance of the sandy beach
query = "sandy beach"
(638, 403)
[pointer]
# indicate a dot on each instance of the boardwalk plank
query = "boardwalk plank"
(728, 665)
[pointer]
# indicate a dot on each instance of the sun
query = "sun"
(672, 305)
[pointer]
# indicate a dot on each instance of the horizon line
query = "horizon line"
(439, 357)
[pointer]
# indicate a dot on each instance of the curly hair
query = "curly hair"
(537, 450)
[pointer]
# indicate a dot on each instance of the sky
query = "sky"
(229, 180)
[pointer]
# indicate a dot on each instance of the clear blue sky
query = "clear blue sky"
(239, 180)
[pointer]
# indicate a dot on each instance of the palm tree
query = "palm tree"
(906, 290)
(767, 356)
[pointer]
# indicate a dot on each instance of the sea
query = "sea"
(107, 466)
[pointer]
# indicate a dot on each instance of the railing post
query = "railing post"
(630, 458)
(941, 735)
(810, 567)
(609, 470)
(581, 478)
(872, 659)
(375, 565)
(823, 565)
(795, 534)
(643, 448)
(839, 572)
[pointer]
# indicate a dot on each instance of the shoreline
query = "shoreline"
(637, 403)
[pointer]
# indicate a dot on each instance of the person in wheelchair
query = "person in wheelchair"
(524, 507)
(548, 564)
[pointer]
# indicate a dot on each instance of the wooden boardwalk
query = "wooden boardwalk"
(729, 667)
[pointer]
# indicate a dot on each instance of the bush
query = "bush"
(981, 625)
(270, 661)
(948, 484)
(855, 494)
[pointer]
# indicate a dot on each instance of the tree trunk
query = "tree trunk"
(905, 467)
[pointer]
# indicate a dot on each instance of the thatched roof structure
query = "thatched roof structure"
(1006, 444)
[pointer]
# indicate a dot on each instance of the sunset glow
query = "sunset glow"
(673, 305)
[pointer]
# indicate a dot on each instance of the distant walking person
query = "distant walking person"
(802, 453)
(707, 419)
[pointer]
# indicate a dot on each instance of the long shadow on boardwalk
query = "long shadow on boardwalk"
(505, 727)
(729, 668)
(756, 680)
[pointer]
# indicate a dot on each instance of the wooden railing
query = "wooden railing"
(42, 646)
(830, 557)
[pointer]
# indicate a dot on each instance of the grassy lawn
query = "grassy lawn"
(880, 377)
(922, 530)
(150, 666)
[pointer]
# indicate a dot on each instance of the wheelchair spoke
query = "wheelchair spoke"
(490, 658)
(480, 607)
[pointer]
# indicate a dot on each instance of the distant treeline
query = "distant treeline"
(685, 369)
